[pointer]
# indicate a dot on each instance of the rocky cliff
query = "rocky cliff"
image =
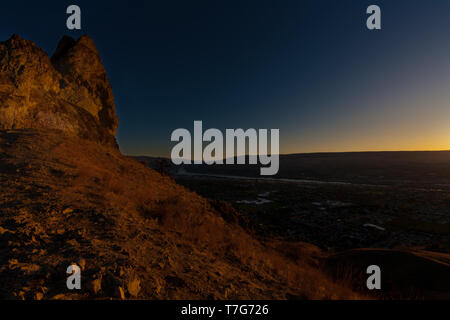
(69, 92)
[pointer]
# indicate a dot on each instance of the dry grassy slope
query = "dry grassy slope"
(135, 233)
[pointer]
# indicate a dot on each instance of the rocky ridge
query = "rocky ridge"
(69, 91)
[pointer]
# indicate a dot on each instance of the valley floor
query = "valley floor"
(405, 229)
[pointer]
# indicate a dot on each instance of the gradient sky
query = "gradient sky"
(309, 68)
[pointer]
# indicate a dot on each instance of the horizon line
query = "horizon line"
(308, 153)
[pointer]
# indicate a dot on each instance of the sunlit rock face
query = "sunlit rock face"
(70, 91)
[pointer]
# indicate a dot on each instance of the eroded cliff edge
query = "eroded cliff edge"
(69, 91)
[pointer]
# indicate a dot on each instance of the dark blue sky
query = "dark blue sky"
(309, 68)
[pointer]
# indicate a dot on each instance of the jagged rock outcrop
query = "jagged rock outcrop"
(70, 91)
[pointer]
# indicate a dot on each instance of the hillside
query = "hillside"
(69, 196)
(67, 200)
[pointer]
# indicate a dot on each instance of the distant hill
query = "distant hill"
(420, 168)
